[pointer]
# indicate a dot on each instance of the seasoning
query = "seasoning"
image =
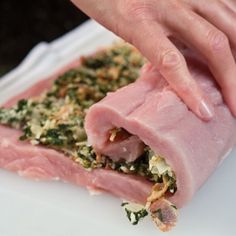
(135, 212)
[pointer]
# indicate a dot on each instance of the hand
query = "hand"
(207, 27)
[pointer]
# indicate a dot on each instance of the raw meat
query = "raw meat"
(41, 163)
(150, 110)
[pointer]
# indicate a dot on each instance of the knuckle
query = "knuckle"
(218, 41)
(176, 5)
(171, 60)
(137, 10)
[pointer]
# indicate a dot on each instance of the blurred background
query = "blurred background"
(25, 23)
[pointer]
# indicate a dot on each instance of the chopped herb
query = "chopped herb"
(21, 105)
(27, 133)
(135, 212)
(174, 207)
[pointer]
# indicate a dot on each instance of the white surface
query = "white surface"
(29, 208)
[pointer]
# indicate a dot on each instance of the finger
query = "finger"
(225, 20)
(231, 4)
(226, 16)
(213, 45)
(172, 65)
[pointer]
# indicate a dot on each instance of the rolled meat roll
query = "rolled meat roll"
(148, 113)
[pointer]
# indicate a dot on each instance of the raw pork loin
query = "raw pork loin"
(150, 111)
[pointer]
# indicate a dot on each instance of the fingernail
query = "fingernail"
(206, 110)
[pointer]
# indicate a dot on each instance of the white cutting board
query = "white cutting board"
(29, 208)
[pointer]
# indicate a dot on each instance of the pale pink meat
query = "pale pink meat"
(164, 214)
(131, 148)
(37, 162)
(150, 110)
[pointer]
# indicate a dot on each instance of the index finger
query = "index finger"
(172, 65)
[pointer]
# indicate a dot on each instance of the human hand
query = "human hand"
(207, 27)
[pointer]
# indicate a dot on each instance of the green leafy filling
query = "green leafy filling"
(134, 212)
